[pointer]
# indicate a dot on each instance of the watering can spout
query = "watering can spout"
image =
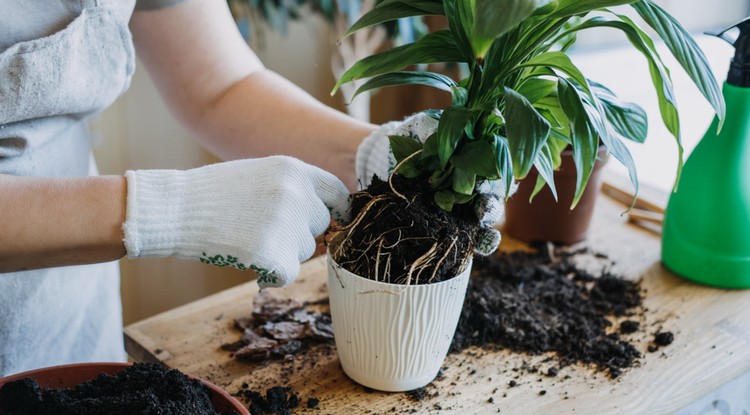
(739, 69)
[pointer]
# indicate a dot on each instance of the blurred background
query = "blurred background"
(299, 39)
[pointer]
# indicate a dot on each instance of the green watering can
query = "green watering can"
(706, 233)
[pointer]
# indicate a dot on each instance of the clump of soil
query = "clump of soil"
(278, 400)
(405, 238)
(279, 328)
(144, 388)
(539, 302)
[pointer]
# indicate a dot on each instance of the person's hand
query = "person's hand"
(375, 158)
(260, 214)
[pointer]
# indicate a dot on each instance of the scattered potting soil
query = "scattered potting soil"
(406, 238)
(279, 328)
(539, 302)
(278, 400)
(144, 388)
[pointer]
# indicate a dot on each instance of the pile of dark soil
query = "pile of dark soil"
(279, 328)
(143, 388)
(542, 302)
(405, 238)
(278, 400)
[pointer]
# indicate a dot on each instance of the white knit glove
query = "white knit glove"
(374, 157)
(260, 214)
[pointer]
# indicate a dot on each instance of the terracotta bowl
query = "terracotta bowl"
(66, 376)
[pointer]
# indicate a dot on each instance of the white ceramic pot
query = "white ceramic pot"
(393, 337)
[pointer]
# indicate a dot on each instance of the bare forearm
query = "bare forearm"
(62, 221)
(217, 86)
(264, 114)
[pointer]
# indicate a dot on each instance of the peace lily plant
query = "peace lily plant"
(398, 273)
(524, 100)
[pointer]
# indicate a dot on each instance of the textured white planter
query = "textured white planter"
(393, 337)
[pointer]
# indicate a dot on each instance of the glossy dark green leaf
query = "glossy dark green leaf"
(544, 165)
(450, 130)
(432, 48)
(504, 162)
(584, 137)
(430, 147)
(445, 199)
(459, 96)
(477, 157)
(567, 8)
(393, 10)
(438, 177)
(535, 89)
(561, 62)
(403, 147)
(527, 132)
(659, 73)
(686, 51)
(460, 15)
(627, 119)
(432, 79)
(463, 181)
(493, 18)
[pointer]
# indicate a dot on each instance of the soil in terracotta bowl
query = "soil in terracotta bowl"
(143, 388)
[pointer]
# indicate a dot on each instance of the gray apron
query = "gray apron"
(47, 87)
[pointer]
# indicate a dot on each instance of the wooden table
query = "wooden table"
(711, 328)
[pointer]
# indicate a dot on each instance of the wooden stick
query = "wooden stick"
(626, 198)
(641, 215)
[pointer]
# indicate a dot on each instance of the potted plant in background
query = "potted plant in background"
(339, 15)
(521, 105)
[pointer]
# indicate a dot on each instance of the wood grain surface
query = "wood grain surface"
(711, 328)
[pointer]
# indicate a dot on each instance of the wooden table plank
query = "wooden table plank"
(711, 327)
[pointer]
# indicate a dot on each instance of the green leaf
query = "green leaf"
(627, 119)
(535, 89)
(463, 181)
(544, 164)
(438, 177)
(686, 51)
(445, 199)
(527, 132)
(459, 96)
(659, 74)
(450, 130)
(395, 9)
(403, 147)
(477, 157)
(430, 147)
(561, 62)
(432, 48)
(583, 135)
(460, 199)
(432, 79)
(567, 8)
(504, 162)
(493, 18)
(460, 15)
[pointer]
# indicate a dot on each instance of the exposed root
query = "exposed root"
(402, 238)
(395, 169)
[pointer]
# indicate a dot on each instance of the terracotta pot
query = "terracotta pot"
(393, 337)
(544, 219)
(66, 376)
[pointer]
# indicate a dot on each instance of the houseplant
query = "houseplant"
(522, 103)
(339, 15)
